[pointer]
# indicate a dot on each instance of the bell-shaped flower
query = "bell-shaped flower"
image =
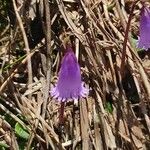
(69, 85)
(144, 39)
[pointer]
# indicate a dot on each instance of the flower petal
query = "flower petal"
(144, 39)
(69, 83)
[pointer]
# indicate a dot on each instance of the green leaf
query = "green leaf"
(22, 144)
(109, 107)
(134, 43)
(111, 6)
(3, 145)
(10, 120)
(21, 132)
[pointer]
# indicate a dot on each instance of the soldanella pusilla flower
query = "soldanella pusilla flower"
(144, 37)
(69, 85)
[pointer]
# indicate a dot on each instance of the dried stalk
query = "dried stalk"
(26, 44)
(48, 60)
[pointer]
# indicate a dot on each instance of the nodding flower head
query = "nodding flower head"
(144, 39)
(69, 85)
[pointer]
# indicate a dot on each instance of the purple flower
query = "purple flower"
(144, 39)
(69, 82)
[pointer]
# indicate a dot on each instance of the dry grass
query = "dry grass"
(116, 113)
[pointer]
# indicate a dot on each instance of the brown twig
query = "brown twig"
(46, 86)
(61, 113)
(14, 72)
(48, 63)
(25, 42)
(84, 124)
(126, 37)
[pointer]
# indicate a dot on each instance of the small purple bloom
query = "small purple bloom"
(144, 39)
(69, 82)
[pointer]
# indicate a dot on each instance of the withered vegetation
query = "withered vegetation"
(103, 34)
